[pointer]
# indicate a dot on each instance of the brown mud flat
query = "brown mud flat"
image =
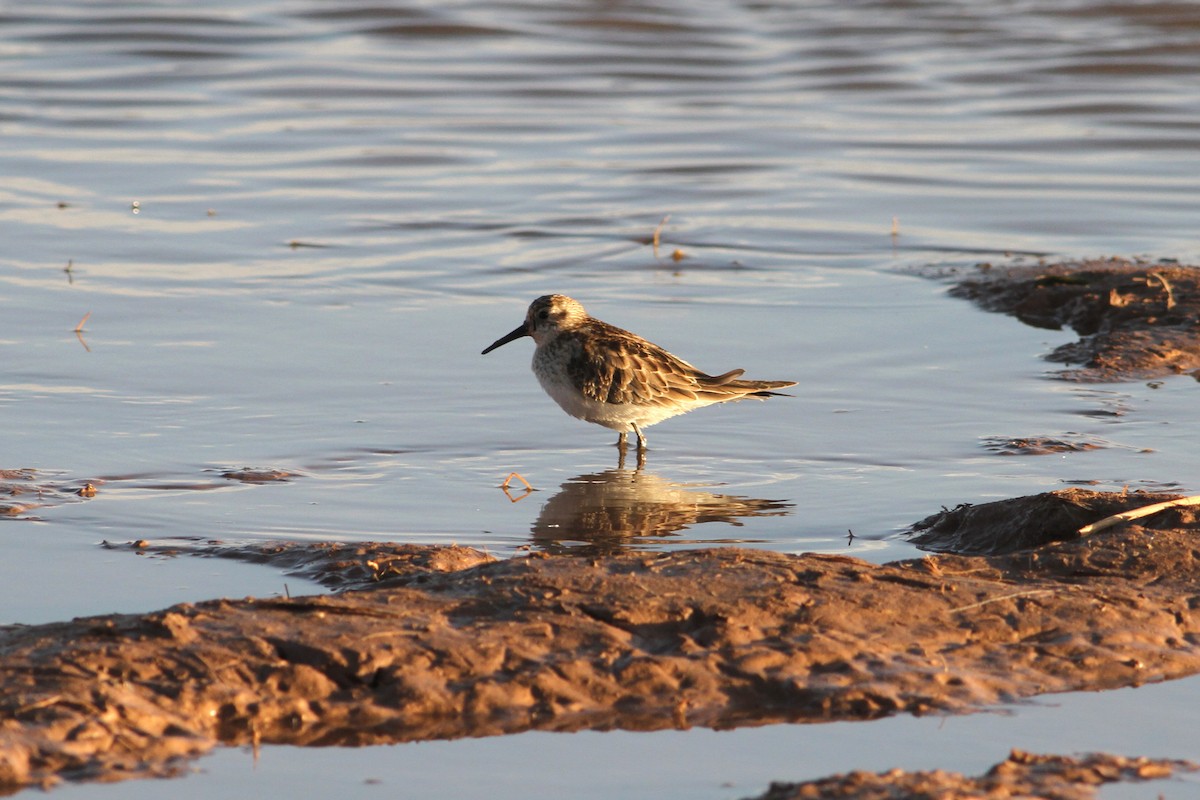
(429, 642)
(1136, 320)
(1020, 775)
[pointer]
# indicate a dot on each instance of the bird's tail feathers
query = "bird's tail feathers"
(728, 384)
(762, 388)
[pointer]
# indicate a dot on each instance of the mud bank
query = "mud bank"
(1020, 775)
(448, 643)
(1136, 320)
(1022, 523)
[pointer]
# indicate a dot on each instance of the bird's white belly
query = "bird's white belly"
(574, 403)
(617, 416)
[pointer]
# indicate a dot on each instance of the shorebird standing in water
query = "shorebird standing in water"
(602, 374)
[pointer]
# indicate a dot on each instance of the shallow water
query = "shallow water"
(295, 225)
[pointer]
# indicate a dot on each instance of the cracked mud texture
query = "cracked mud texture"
(429, 642)
(1021, 775)
(1135, 320)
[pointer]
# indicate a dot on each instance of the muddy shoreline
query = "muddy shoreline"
(428, 642)
(1021, 775)
(1136, 320)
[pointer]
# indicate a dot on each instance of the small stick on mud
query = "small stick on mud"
(1029, 593)
(45, 702)
(1166, 287)
(1137, 513)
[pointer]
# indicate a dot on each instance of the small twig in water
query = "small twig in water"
(1137, 513)
(79, 331)
(518, 476)
(658, 234)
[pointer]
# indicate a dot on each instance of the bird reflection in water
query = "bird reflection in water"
(609, 511)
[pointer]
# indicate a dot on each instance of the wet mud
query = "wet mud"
(1136, 320)
(1042, 445)
(1021, 523)
(1049, 777)
(432, 642)
(24, 491)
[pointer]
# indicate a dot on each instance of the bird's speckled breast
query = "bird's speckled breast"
(556, 365)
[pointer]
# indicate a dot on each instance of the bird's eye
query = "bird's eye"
(543, 314)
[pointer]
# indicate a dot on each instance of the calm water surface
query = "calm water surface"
(295, 225)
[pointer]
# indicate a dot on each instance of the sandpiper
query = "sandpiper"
(602, 374)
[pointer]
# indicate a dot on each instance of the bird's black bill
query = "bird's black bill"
(520, 331)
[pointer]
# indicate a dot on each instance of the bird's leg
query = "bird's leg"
(641, 439)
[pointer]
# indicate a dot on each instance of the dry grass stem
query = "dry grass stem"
(1029, 593)
(518, 476)
(658, 233)
(1166, 287)
(1137, 513)
(45, 702)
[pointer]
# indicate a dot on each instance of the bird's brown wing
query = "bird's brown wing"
(615, 366)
